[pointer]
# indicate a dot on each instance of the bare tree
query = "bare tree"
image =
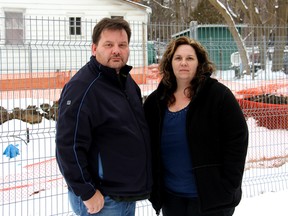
(280, 34)
(172, 11)
(267, 20)
(232, 27)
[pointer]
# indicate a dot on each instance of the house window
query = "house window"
(75, 25)
(14, 28)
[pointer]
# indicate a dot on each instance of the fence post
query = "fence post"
(193, 30)
(30, 58)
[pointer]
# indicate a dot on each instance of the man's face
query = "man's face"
(112, 49)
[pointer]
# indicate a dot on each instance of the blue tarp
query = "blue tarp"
(11, 151)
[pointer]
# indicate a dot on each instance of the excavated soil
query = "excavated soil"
(269, 99)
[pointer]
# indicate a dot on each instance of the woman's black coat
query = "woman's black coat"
(218, 139)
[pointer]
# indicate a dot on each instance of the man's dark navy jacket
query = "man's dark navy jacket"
(102, 139)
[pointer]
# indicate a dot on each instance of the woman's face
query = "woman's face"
(184, 63)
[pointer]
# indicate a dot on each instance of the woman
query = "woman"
(199, 136)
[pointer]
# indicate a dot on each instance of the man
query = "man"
(102, 139)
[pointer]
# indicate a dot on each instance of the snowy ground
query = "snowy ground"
(265, 203)
(39, 192)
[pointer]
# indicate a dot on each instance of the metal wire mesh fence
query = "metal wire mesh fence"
(41, 55)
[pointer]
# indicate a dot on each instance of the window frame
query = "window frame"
(75, 26)
(14, 25)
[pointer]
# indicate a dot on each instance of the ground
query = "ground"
(269, 99)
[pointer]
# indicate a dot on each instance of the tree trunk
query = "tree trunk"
(280, 35)
(238, 40)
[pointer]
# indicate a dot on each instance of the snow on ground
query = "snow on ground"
(267, 204)
(40, 196)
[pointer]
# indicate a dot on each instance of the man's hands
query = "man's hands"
(95, 203)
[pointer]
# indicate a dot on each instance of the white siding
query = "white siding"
(48, 45)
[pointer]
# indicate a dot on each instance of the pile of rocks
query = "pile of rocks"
(32, 114)
(269, 99)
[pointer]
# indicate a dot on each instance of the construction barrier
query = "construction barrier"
(270, 113)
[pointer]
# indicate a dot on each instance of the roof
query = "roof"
(141, 6)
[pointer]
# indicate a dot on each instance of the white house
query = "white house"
(41, 35)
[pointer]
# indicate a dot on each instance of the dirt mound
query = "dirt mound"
(269, 99)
